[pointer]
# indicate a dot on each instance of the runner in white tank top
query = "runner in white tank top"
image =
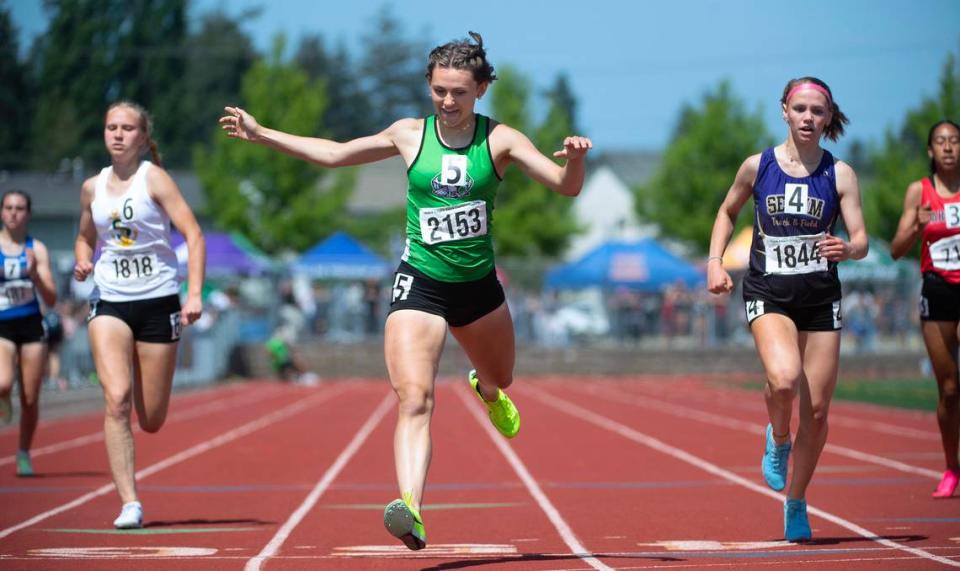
(135, 310)
(136, 260)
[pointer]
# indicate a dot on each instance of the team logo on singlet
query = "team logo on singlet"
(124, 235)
(450, 191)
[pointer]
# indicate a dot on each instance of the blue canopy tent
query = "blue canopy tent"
(643, 265)
(340, 257)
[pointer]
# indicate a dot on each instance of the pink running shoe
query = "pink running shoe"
(948, 484)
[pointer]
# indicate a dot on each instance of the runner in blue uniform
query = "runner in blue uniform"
(792, 290)
(24, 274)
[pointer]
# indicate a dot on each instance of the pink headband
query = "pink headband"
(809, 85)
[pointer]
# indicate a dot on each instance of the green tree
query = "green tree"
(531, 220)
(277, 201)
(150, 64)
(218, 55)
(902, 157)
(15, 104)
(348, 114)
(95, 52)
(392, 72)
(708, 146)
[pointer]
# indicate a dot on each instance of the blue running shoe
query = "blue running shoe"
(774, 464)
(796, 526)
(24, 465)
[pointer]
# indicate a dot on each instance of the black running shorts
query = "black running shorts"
(824, 317)
(155, 320)
(22, 330)
(939, 299)
(460, 303)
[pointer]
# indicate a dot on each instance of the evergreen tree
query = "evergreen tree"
(15, 104)
(902, 157)
(531, 220)
(709, 144)
(348, 114)
(279, 202)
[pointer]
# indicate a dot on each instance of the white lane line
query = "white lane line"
(189, 413)
(838, 414)
(576, 548)
(271, 548)
(640, 438)
(690, 413)
(252, 426)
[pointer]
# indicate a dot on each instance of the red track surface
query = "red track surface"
(639, 474)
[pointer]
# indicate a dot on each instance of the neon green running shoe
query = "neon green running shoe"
(503, 414)
(24, 465)
(404, 523)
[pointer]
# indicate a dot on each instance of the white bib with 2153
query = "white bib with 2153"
(450, 223)
(794, 254)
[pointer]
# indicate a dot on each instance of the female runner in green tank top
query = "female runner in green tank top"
(455, 161)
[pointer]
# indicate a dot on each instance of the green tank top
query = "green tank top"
(450, 194)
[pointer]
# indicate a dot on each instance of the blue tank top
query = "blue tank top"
(791, 214)
(18, 298)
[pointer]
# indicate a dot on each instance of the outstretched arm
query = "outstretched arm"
(566, 179)
(241, 125)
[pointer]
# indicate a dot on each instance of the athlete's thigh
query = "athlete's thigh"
(412, 344)
(8, 362)
(111, 343)
(489, 343)
(154, 365)
(821, 362)
(777, 341)
(941, 340)
(32, 363)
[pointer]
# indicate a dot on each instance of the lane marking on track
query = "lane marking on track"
(634, 435)
(199, 410)
(152, 530)
(566, 533)
(121, 552)
(229, 436)
(271, 548)
(690, 413)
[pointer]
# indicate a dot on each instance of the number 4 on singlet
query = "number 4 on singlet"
(795, 198)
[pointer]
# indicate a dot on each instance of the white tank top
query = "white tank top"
(136, 260)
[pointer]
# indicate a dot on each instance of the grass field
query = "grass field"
(919, 393)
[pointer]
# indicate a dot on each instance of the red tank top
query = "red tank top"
(940, 249)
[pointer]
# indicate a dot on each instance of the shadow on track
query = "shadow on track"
(540, 557)
(240, 521)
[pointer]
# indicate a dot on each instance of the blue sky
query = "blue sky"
(634, 63)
